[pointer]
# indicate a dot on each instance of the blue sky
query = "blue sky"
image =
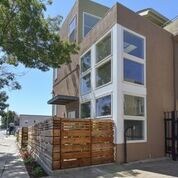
(37, 86)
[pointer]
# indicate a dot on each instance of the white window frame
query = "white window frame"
(134, 58)
(104, 60)
(86, 13)
(137, 118)
(69, 33)
(134, 89)
(83, 74)
(102, 96)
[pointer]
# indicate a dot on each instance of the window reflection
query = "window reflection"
(133, 72)
(86, 84)
(85, 110)
(133, 105)
(103, 106)
(86, 62)
(133, 45)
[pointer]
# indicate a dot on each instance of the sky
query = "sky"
(37, 86)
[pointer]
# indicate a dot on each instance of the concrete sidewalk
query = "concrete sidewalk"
(163, 168)
(11, 165)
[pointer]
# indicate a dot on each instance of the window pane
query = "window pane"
(103, 48)
(89, 22)
(133, 72)
(86, 62)
(133, 45)
(103, 74)
(85, 110)
(137, 133)
(133, 105)
(103, 106)
(72, 36)
(72, 25)
(72, 30)
(85, 84)
(86, 30)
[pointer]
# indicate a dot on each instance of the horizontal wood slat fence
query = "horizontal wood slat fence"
(22, 137)
(67, 143)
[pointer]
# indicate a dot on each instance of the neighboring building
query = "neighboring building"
(124, 71)
(30, 120)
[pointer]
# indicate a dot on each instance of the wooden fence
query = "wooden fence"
(22, 137)
(65, 143)
(44, 143)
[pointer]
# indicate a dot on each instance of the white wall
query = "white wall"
(29, 120)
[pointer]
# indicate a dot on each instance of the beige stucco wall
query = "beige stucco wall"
(160, 88)
(172, 27)
(176, 70)
(67, 82)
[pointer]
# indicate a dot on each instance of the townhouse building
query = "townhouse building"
(125, 70)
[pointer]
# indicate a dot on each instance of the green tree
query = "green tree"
(27, 37)
(8, 117)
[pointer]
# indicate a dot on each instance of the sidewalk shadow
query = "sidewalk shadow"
(13, 166)
(164, 168)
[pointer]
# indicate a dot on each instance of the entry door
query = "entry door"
(71, 115)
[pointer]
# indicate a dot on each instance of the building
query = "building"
(30, 120)
(125, 70)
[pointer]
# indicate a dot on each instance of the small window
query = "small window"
(133, 72)
(86, 84)
(73, 30)
(135, 129)
(86, 62)
(85, 110)
(133, 105)
(89, 22)
(103, 106)
(133, 45)
(103, 48)
(103, 74)
(71, 114)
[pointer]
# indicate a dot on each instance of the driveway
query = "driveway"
(164, 168)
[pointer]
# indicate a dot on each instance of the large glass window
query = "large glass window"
(86, 110)
(133, 72)
(103, 106)
(133, 105)
(73, 30)
(89, 22)
(103, 74)
(103, 48)
(86, 84)
(86, 62)
(135, 129)
(133, 45)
